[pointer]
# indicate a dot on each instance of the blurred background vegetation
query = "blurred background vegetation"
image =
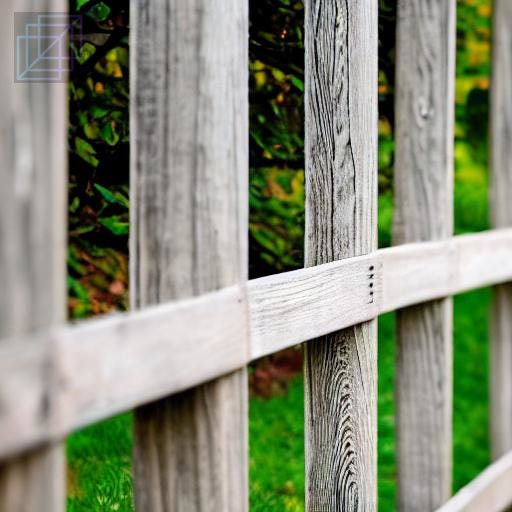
(100, 467)
(99, 161)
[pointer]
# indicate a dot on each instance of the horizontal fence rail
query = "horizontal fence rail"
(490, 491)
(186, 343)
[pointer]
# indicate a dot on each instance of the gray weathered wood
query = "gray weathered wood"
(292, 307)
(482, 259)
(32, 243)
(418, 272)
(189, 231)
(131, 359)
(341, 187)
(501, 216)
(423, 211)
(152, 354)
(137, 357)
(490, 491)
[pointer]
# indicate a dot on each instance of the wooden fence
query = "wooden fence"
(179, 359)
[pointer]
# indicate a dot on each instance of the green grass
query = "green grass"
(277, 451)
(99, 467)
(99, 457)
(470, 415)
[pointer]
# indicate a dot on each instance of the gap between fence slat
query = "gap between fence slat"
(33, 163)
(189, 185)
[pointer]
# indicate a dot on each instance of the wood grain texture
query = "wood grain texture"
(27, 387)
(340, 150)
(419, 272)
(131, 359)
(175, 356)
(32, 243)
(490, 490)
(137, 357)
(501, 216)
(415, 273)
(424, 211)
(293, 307)
(189, 181)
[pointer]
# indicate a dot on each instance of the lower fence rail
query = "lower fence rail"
(490, 491)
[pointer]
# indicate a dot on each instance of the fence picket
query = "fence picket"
(424, 211)
(189, 228)
(501, 215)
(32, 245)
(490, 491)
(341, 188)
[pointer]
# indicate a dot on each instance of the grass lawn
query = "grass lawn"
(99, 457)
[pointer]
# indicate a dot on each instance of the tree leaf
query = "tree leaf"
(112, 197)
(98, 112)
(81, 3)
(99, 12)
(85, 151)
(115, 225)
(86, 51)
(109, 135)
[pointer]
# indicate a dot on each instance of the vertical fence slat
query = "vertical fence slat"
(501, 216)
(33, 165)
(189, 231)
(341, 187)
(424, 211)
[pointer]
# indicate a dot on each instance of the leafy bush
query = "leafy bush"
(99, 161)
(99, 154)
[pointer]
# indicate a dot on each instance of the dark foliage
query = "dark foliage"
(99, 160)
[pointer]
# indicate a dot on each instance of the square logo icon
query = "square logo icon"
(42, 49)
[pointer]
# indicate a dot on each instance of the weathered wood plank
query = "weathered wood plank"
(174, 346)
(419, 272)
(131, 359)
(482, 259)
(341, 187)
(501, 216)
(490, 490)
(415, 273)
(423, 211)
(28, 382)
(292, 307)
(151, 354)
(32, 243)
(189, 183)
(336, 295)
